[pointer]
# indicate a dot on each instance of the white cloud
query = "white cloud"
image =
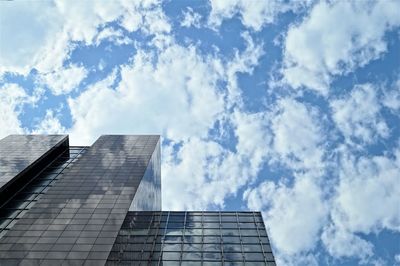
(367, 196)
(365, 201)
(24, 31)
(397, 258)
(11, 95)
(253, 138)
(298, 137)
(190, 19)
(82, 20)
(184, 106)
(243, 62)
(298, 259)
(204, 173)
(12, 99)
(49, 125)
(180, 107)
(41, 35)
(253, 14)
(63, 80)
(335, 39)
(192, 175)
(341, 243)
(391, 97)
(301, 207)
(358, 115)
(115, 36)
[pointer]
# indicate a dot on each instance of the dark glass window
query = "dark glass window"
(203, 238)
(26, 198)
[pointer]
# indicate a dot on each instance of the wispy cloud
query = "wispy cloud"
(358, 115)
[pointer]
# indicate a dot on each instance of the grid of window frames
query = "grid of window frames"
(192, 238)
(27, 196)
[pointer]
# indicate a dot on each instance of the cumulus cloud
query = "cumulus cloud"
(335, 39)
(253, 139)
(193, 176)
(190, 19)
(12, 98)
(367, 196)
(302, 205)
(115, 36)
(42, 35)
(391, 97)
(63, 80)
(148, 100)
(358, 116)
(365, 201)
(298, 136)
(204, 173)
(341, 243)
(180, 107)
(296, 141)
(243, 62)
(397, 258)
(253, 14)
(25, 30)
(50, 124)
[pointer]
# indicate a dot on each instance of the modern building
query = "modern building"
(101, 205)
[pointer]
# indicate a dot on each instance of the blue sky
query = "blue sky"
(291, 109)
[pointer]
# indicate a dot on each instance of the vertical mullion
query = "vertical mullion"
(202, 236)
(148, 234)
(183, 235)
(259, 238)
(163, 240)
(222, 241)
(240, 237)
(155, 238)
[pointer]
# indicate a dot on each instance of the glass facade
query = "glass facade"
(20, 153)
(28, 194)
(101, 205)
(148, 194)
(192, 238)
(78, 218)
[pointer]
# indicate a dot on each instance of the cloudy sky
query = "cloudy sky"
(289, 109)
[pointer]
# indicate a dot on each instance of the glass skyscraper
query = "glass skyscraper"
(101, 205)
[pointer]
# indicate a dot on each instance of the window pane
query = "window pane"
(228, 219)
(193, 231)
(172, 247)
(232, 248)
(250, 239)
(173, 239)
(233, 256)
(213, 232)
(192, 247)
(231, 239)
(212, 255)
(252, 248)
(191, 256)
(212, 239)
(254, 256)
(171, 255)
(230, 232)
(212, 247)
